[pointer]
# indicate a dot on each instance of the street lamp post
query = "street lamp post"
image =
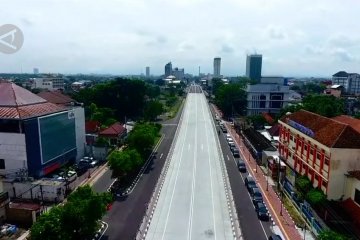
(267, 177)
(281, 204)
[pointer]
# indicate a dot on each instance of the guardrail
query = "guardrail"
(313, 222)
(235, 225)
(149, 213)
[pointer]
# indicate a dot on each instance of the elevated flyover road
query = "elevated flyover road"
(193, 203)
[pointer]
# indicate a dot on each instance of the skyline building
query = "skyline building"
(168, 69)
(147, 72)
(36, 71)
(217, 66)
(253, 67)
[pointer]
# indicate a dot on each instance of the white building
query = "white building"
(36, 136)
(217, 67)
(350, 81)
(49, 83)
(323, 149)
(268, 98)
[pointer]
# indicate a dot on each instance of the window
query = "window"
(2, 164)
(291, 137)
(357, 196)
(305, 147)
(327, 161)
(316, 177)
(324, 183)
(318, 156)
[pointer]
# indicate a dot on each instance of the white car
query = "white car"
(229, 139)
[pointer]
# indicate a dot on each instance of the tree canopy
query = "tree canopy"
(324, 105)
(76, 219)
(331, 235)
(123, 162)
(231, 98)
(126, 97)
(143, 136)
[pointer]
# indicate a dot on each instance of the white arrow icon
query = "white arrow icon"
(12, 34)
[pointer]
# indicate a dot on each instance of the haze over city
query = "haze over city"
(296, 38)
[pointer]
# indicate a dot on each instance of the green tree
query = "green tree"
(49, 226)
(76, 219)
(142, 137)
(216, 84)
(325, 105)
(230, 98)
(153, 110)
(303, 185)
(123, 162)
(258, 121)
(331, 235)
(315, 197)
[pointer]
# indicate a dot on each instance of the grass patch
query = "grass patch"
(175, 108)
(295, 215)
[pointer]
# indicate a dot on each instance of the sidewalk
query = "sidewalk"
(284, 221)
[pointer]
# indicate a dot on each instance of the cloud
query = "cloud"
(185, 46)
(276, 33)
(343, 55)
(226, 48)
(343, 41)
(157, 41)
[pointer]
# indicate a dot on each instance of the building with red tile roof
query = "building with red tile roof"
(353, 122)
(19, 103)
(321, 148)
(36, 136)
(56, 97)
(115, 132)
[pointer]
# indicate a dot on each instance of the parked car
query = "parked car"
(261, 211)
(90, 160)
(229, 139)
(241, 165)
(235, 152)
(223, 129)
(250, 182)
(274, 237)
(256, 195)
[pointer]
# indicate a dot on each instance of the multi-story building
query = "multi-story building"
(253, 67)
(36, 136)
(268, 97)
(350, 81)
(320, 148)
(36, 71)
(168, 69)
(147, 72)
(217, 67)
(48, 83)
(178, 73)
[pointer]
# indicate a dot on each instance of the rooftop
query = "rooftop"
(329, 132)
(353, 122)
(114, 130)
(56, 97)
(19, 103)
(341, 74)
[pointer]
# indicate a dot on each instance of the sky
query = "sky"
(312, 38)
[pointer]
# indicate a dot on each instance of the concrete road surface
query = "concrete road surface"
(192, 203)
